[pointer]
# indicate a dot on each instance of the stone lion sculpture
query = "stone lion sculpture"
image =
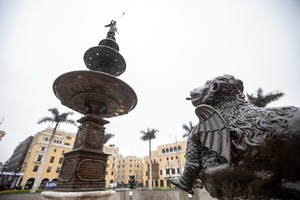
(240, 151)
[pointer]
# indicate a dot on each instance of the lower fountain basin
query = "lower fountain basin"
(77, 88)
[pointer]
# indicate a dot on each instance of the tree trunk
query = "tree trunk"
(150, 166)
(42, 165)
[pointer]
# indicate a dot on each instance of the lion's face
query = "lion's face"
(217, 90)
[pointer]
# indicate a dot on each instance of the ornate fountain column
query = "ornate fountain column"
(97, 94)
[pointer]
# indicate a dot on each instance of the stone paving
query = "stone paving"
(26, 196)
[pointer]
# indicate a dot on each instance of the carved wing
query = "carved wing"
(213, 132)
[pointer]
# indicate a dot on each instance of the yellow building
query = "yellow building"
(111, 165)
(62, 142)
(167, 162)
(129, 165)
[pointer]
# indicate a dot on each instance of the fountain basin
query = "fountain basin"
(77, 89)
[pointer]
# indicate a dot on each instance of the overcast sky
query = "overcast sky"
(170, 48)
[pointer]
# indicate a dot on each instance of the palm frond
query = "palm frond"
(45, 119)
(262, 100)
(149, 134)
(107, 137)
(188, 128)
(58, 118)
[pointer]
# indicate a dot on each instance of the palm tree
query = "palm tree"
(107, 137)
(56, 118)
(263, 100)
(188, 128)
(149, 135)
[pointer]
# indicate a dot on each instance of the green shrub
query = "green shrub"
(14, 191)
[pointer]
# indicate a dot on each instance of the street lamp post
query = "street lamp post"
(170, 178)
(3, 169)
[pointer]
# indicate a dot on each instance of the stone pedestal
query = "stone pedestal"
(95, 195)
(84, 167)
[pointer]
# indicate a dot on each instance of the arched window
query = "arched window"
(43, 183)
(171, 149)
(147, 184)
(175, 148)
(156, 183)
(29, 183)
(179, 148)
(167, 150)
(163, 151)
(161, 183)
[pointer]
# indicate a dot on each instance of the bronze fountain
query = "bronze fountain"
(96, 93)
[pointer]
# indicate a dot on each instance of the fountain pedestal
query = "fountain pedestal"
(84, 167)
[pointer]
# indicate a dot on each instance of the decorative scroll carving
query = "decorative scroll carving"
(94, 137)
(80, 137)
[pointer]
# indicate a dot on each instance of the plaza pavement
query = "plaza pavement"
(25, 196)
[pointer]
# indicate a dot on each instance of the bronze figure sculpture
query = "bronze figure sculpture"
(240, 151)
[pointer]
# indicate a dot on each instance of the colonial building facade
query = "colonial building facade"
(13, 169)
(129, 165)
(167, 162)
(62, 142)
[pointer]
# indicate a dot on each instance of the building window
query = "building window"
(63, 151)
(35, 168)
(167, 171)
(176, 157)
(43, 148)
(160, 172)
(171, 157)
(163, 151)
(57, 170)
(68, 137)
(68, 144)
(39, 158)
(179, 148)
(171, 149)
(167, 150)
(52, 159)
(173, 171)
(60, 160)
(175, 148)
(49, 169)
(54, 150)
(167, 158)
